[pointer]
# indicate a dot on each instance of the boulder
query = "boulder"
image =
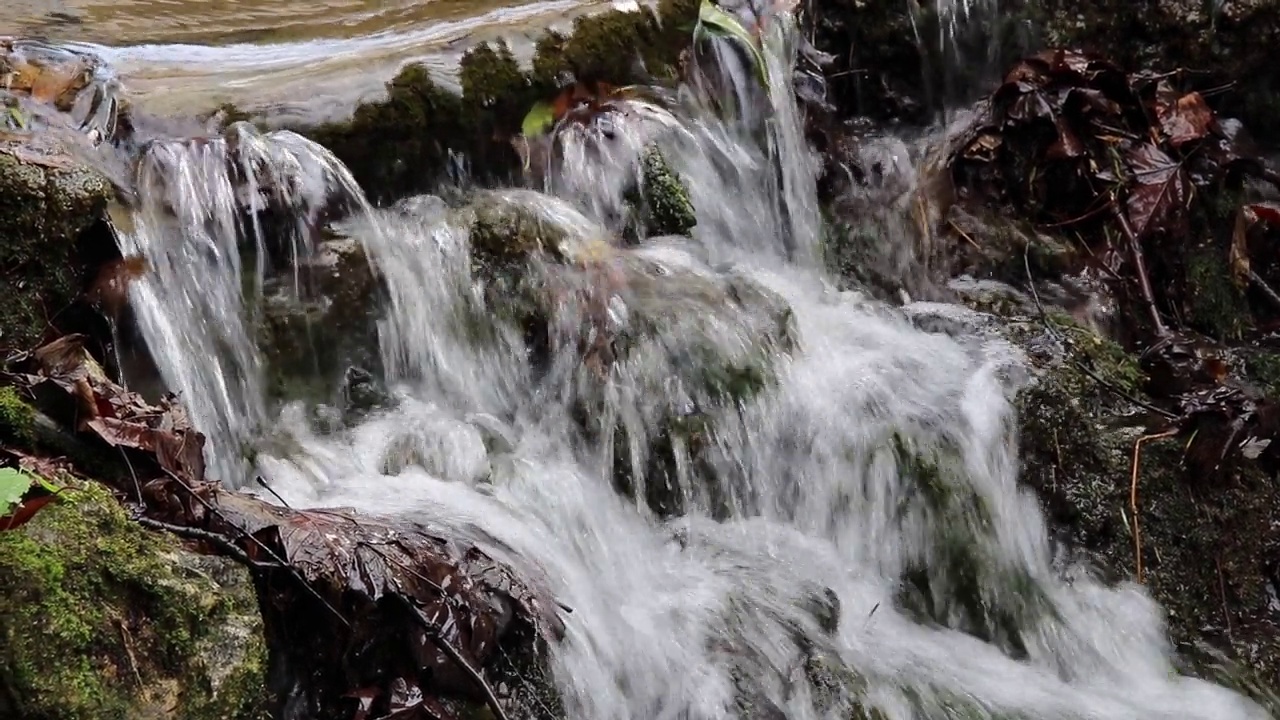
(103, 620)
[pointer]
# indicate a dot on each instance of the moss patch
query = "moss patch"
(102, 620)
(408, 142)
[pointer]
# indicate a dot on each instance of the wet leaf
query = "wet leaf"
(1238, 256)
(715, 22)
(1160, 190)
(540, 118)
(1185, 119)
(22, 495)
(13, 485)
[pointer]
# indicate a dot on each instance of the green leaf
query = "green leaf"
(714, 21)
(540, 119)
(13, 485)
(16, 115)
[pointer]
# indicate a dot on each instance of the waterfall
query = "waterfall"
(848, 540)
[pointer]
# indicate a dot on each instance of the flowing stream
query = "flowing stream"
(877, 477)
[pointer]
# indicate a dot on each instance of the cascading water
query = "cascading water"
(868, 552)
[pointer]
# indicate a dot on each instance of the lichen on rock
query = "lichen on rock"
(103, 620)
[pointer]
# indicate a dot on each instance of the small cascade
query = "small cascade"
(205, 204)
(762, 497)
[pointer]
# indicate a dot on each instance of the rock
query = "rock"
(639, 323)
(102, 620)
(310, 339)
(1208, 552)
(52, 218)
(661, 203)
(411, 140)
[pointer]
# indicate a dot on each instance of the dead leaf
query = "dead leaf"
(1238, 256)
(1160, 191)
(1185, 120)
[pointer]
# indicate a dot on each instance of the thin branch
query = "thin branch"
(222, 543)
(1133, 495)
(1140, 267)
(263, 482)
(433, 633)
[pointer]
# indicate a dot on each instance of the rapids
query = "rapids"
(711, 614)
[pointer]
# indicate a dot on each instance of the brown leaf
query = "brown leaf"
(26, 510)
(1068, 144)
(1160, 190)
(1185, 119)
(1238, 256)
(110, 289)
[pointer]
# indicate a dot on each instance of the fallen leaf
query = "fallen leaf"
(1160, 190)
(1185, 120)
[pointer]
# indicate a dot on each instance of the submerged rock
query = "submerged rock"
(661, 203)
(102, 620)
(311, 335)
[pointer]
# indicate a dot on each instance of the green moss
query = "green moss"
(1263, 368)
(1215, 305)
(662, 205)
(407, 142)
(99, 622)
(16, 418)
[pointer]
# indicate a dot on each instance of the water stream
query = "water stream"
(883, 460)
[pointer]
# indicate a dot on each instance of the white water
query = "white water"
(666, 615)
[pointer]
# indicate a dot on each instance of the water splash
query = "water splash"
(868, 551)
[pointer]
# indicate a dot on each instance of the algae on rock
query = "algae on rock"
(103, 620)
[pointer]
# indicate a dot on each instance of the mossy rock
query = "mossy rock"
(309, 340)
(48, 203)
(410, 141)
(102, 620)
(661, 204)
(1208, 549)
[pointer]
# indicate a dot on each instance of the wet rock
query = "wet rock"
(635, 324)
(52, 218)
(1208, 549)
(417, 136)
(102, 620)
(310, 335)
(661, 203)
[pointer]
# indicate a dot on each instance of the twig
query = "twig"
(1133, 495)
(952, 224)
(1140, 267)
(263, 482)
(137, 486)
(433, 633)
(1266, 289)
(213, 538)
(1222, 592)
(265, 548)
(126, 638)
